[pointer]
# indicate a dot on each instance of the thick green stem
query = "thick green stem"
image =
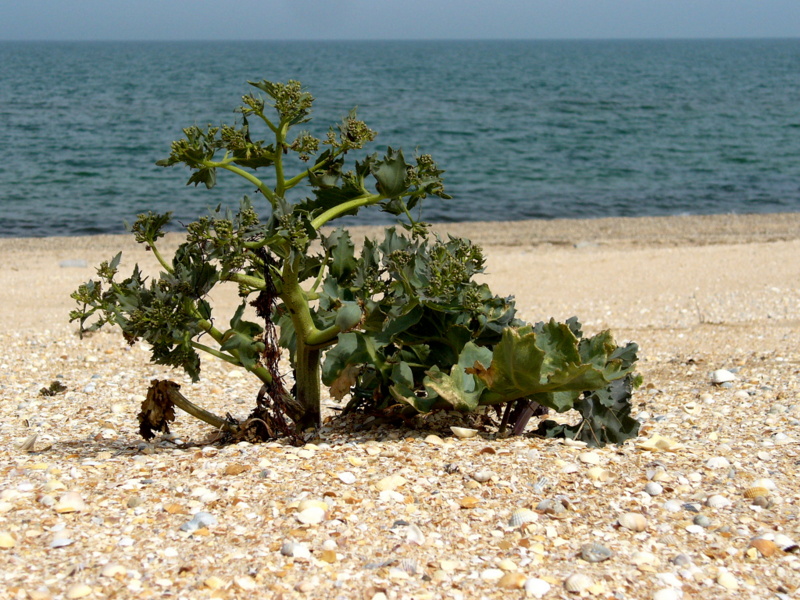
(262, 187)
(280, 137)
(345, 207)
(160, 258)
(307, 379)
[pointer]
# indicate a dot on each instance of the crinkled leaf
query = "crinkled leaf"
(545, 359)
(391, 173)
(462, 388)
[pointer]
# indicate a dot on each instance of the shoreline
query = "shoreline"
(695, 230)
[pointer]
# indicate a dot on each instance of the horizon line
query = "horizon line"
(410, 40)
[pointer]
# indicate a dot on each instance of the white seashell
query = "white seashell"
(594, 552)
(643, 558)
(463, 432)
(692, 408)
(717, 501)
(722, 376)
(785, 543)
(414, 535)
(77, 590)
(659, 443)
(346, 477)
(305, 504)
(70, 502)
(764, 483)
(573, 443)
(522, 516)
(483, 476)
(590, 458)
(718, 462)
(669, 593)
(491, 575)
(577, 583)
(113, 569)
(599, 474)
(727, 580)
(536, 587)
(311, 516)
(632, 521)
(391, 482)
(409, 565)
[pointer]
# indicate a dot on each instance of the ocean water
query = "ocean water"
(524, 129)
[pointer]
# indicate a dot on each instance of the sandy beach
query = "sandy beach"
(90, 510)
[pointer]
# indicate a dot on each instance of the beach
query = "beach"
(421, 513)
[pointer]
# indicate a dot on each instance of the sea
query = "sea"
(523, 129)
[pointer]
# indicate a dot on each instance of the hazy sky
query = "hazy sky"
(394, 19)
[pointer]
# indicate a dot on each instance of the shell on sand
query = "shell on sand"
(463, 432)
(632, 521)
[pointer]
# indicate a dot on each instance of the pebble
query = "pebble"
(536, 588)
(594, 552)
(653, 488)
(295, 550)
(492, 575)
(483, 476)
(722, 376)
(702, 521)
(199, 520)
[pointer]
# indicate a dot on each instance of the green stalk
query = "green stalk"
(218, 353)
(340, 209)
(157, 254)
(280, 137)
(262, 187)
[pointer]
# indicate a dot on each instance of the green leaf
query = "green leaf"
(391, 173)
(342, 252)
(461, 388)
(543, 360)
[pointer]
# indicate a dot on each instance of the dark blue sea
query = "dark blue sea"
(524, 129)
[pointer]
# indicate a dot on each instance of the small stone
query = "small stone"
(70, 502)
(536, 588)
(595, 552)
(134, 501)
(653, 488)
(722, 376)
(199, 520)
(77, 590)
(702, 521)
(295, 550)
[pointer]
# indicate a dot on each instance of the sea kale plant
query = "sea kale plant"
(398, 325)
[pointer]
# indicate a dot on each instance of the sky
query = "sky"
(395, 19)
